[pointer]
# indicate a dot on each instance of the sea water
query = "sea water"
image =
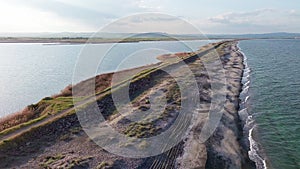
(272, 85)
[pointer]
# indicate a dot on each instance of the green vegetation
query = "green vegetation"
(45, 108)
(140, 130)
(68, 135)
(78, 163)
(62, 161)
(51, 159)
(144, 144)
(19, 138)
(105, 165)
(14, 128)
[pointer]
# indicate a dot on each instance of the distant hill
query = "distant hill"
(152, 35)
(265, 35)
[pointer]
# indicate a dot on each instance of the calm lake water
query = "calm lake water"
(30, 72)
(275, 99)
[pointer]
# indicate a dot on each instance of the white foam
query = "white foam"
(245, 90)
(247, 84)
(253, 155)
(246, 99)
(247, 69)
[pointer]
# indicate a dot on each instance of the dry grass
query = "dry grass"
(35, 112)
(16, 118)
(67, 91)
(61, 101)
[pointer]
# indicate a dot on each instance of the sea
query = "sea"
(271, 101)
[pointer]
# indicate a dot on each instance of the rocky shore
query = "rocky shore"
(63, 143)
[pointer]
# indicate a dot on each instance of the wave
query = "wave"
(247, 84)
(249, 123)
(246, 99)
(253, 153)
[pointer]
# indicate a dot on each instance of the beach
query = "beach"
(59, 140)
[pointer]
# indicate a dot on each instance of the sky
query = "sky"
(213, 17)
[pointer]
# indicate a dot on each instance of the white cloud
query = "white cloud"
(256, 21)
(91, 15)
(242, 17)
(150, 5)
(16, 18)
(292, 11)
(151, 22)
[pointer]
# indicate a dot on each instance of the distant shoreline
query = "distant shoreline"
(83, 40)
(91, 40)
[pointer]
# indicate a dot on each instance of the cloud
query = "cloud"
(68, 11)
(294, 13)
(152, 18)
(149, 5)
(241, 17)
(256, 21)
(74, 15)
(18, 18)
(151, 22)
(92, 13)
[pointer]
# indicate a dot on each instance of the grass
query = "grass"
(17, 118)
(105, 165)
(140, 130)
(173, 93)
(148, 128)
(50, 160)
(76, 162)
(45, 108)
(144, 144)
(68, 135)
(75, 130)
(79, 163)
(14, 128)
(32, 129)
